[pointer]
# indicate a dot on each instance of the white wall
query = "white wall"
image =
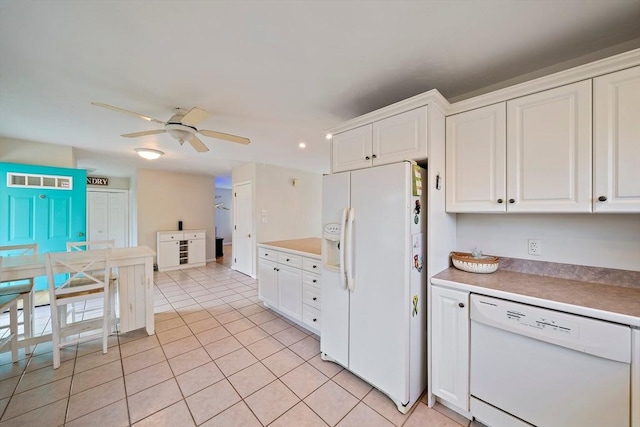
(291, 212)
(596, 240)
(224, 218)
(36, 153)
(164, 198)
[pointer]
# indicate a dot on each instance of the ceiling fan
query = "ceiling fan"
(181, 126)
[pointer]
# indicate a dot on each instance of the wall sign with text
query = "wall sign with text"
(96, 180)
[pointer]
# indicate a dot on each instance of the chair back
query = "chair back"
(90, 245)
(18, 250)
(85, 271)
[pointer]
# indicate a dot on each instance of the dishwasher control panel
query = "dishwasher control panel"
(543, 322)
(597, 337)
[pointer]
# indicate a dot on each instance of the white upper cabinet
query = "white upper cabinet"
(549, 150)
(351, 149)
(616, 148)
(532, 155)
(400, 137)
(393, 139)
(476, 160)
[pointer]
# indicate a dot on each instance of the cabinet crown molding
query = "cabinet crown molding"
(432, 98)
(588, 71)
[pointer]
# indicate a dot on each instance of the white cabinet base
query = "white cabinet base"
(181, 249)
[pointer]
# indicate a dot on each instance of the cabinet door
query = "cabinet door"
(400, 137)
(197, 251)
(476, 156)
(290, 291)
(268, 282)
(169, 254)
(616, 155)
(450, 345)
(351, 149)
(549, 150)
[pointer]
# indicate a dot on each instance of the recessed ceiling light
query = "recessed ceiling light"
(148, 153)
(302, 145)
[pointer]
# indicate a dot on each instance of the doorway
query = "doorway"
(243, 235)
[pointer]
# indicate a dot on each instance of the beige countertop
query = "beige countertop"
(608, 302)
(310, 245)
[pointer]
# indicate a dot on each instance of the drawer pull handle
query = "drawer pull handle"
(314, 280)
(499, 200)
(315, 266)
(315, 298)
(461, 305)
(512, 200)
(315, 320)
(287, 259)
(602, 198)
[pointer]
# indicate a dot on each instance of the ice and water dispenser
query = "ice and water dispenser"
(331, 246)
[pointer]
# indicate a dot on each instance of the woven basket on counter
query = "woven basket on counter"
(467, 262)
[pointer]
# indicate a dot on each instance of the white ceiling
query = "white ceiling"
(278, 72)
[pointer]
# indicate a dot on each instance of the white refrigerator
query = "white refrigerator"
(374, 279)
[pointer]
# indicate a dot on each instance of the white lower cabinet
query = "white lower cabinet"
(181, 249)
(290, 284)
(450, 346)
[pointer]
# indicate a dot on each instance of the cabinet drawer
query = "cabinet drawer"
(311, 296)
(311, 316)
(171, 237)
(310, 264)
(195, 235)
(288, 259)
(268, 254)
(311, 279)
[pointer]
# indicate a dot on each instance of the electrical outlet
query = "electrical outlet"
(535, 247)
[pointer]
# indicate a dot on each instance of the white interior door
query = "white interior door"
(243, 238)
(108, 216)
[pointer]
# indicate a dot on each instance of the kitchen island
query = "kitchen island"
(289, 279)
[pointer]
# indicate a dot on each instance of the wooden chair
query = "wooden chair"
(10, 302)
(22, 287)
(84, 275)
(113, 277)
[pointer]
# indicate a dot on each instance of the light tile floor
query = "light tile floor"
(218, 358)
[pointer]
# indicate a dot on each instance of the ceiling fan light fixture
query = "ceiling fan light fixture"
(148, 153)
(180, 132)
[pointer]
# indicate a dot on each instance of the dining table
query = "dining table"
(134, 269)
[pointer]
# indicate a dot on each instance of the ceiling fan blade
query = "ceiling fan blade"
(195, 116)
(225, 136)
(198, 145)
(143, 133)
(131, 113)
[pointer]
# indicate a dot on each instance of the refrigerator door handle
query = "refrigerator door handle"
(349, 250)
(343, 232)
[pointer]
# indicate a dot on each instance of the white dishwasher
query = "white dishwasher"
(536, 366)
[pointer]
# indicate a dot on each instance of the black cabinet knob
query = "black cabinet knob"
(315, 320)
(499, 200)
(374, 156)
(315, 266)
(461, 304)
(602, 198)
(287, 259)
(315, 298)
(367, 158)
(275, 269)
(512, 200)
(314, 280)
